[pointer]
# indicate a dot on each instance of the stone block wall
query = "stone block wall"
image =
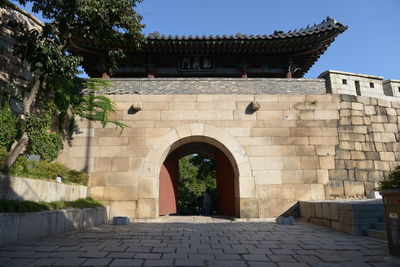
(392, 87)
(339, 82)
(295, 147)
(283, 151)
(368, 148)
(352, 216)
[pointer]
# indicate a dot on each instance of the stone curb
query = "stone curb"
(19, 227)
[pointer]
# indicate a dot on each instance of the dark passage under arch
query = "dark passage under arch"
(169, 178)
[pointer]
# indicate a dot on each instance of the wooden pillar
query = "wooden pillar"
(289, 74)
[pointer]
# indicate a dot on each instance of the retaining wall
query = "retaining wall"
(39, 190)
(351, 216)
(19, 227)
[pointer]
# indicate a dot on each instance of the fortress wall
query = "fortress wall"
(369, 145)
(300, 147)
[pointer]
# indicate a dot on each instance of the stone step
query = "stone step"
(379, 226)
(376, 234)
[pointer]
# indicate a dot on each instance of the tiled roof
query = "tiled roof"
(325, 25)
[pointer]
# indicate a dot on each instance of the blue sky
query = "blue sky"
(371, 45)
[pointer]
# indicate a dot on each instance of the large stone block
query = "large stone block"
(120, 164)
(291, 163)
(387, 156)
(317, 192)
(122, 178)
(268, 177)
(269, 132)
(310, 176)
(302, 192)
(305, 150)
(281, 191)
(113, 151)
(114, 193)
(289, 141)
(262, 191)
(147, 208)
(186, 105)
(325, 150)
(103, 164)
(324, 140)
(305, 131)
(274, 163)
(292, 177)
(270, 150)
(323, 176)
(326, 114)
(247, 187)
(257, 163)
(275, 207)
(248, 208)
(123, 208)
(353, 189)
(334, 188)
(327, 162)
(309, 162)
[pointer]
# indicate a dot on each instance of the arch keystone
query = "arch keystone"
(197, 129)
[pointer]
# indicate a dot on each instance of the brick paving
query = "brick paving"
(215, 243)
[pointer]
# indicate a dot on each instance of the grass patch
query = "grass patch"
(31, 206)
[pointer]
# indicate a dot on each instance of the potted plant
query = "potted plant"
(390, 190)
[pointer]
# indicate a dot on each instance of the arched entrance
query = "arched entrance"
(245, 203)
(225, 179)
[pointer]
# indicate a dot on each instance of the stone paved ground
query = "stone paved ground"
(217, 243)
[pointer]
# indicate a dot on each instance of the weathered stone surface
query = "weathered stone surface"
(22, 227)
(38, 190)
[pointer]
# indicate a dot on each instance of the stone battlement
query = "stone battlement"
(190, 86)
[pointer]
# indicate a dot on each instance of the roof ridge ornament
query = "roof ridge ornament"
(155, 34)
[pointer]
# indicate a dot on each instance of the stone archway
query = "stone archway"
(220, 202)
(245, 190)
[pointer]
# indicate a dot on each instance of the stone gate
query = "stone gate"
(276, 138)
(294, 147)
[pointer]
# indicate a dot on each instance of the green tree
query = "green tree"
(9, 128)
(54, 66)
(196, 176)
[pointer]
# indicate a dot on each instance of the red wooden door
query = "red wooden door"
(169, 176)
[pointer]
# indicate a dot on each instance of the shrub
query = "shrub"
(44, 170)
(44, 144)
(9, 127)
(21, 206)
(30, 206)
(392, 181)
(50, 170)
